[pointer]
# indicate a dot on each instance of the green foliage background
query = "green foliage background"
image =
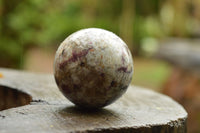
(42, 23)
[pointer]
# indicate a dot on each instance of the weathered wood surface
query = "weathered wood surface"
(139, 110)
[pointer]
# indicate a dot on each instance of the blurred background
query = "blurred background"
(163, 36)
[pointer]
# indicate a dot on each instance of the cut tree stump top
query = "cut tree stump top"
(47, 110)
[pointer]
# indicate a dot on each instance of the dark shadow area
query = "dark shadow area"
(73, 109)
(10, 98)
(83, 112)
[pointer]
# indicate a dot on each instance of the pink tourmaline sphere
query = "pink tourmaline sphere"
(93, 67)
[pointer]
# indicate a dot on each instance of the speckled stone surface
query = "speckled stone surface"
(93, 67)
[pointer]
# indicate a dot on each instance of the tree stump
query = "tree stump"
(36, 105)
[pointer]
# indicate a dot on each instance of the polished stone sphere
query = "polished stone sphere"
(93, 67)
